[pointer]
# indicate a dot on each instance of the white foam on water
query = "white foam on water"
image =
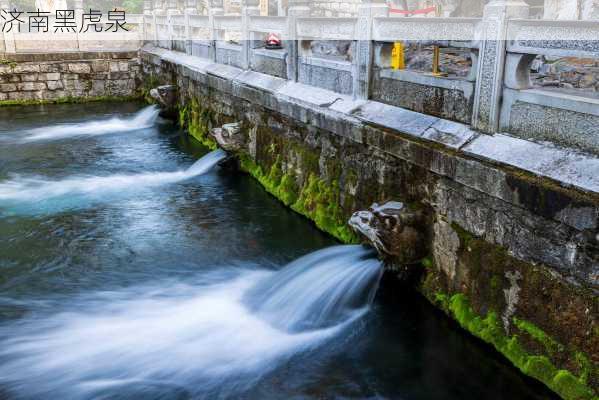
(141, 120)
(35, 189)
(212, 338)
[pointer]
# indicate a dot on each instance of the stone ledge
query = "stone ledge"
(500, 161)
(68, 56)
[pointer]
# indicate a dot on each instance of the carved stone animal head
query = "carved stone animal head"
(229, 137)
(165, 96)
(395, 230)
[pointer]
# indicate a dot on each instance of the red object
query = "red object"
(413, 12)
(273, 41)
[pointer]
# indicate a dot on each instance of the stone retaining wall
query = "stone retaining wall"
(52, 77)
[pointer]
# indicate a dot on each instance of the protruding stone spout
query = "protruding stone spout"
(165, 96)
(394, 229)
(229, 137)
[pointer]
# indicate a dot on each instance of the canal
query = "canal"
(128, 269)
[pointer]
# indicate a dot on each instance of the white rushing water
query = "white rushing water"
(141, 120)
(220, 336)
(35, 189)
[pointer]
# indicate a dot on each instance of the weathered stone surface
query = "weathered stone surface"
(28, 86)
(54, 85)
(80, 68)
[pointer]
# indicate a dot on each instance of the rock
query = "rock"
(229, 137)
(396, 231)
(165, 96)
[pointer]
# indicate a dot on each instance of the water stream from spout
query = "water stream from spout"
(221, 333)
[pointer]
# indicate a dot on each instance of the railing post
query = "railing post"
(156, 12)
(190, 9)
(248, 9)
(9, 37)
(491, 63)
(147, 13)
(216, 8)
(78, 6)
(362, 65)
(297, 9)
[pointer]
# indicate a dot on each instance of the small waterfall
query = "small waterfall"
(34, 189)
(214, 338)
(318, 290)
(142, 119)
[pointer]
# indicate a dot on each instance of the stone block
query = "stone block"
(123, 66)
(51, 76)
(31, 86)
(8, 87)
(50, 67)
(98, 87)
(28, 77)
(114, 66)
(26, 68)
(100, 66)
(3, 96)
(80, 68)
(54, 85)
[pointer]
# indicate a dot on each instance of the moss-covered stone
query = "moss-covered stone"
(489, 329)
(198, 122)
(316, 200)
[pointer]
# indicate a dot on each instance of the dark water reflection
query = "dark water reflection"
(135, 266)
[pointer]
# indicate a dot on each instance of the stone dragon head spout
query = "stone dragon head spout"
(395, 230)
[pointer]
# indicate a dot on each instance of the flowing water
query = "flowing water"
(129, 269)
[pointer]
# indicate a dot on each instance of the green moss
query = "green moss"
(427, 262)
(198, 122)
(320, 201)
(489, 329)
(539, 335)
(67, 100)
(465, 236)
(316, 200)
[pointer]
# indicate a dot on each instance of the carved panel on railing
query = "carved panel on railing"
(327, 28)
(560, 38)
(425, 29)
(227, 23)
(268, 24)
(199, 21)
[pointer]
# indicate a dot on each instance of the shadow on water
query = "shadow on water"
(178, 291)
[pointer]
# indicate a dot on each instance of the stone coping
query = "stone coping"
(343, 115)
(68, 56)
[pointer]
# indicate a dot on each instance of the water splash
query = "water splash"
(216, 338)
(26, 190)
(141, 120)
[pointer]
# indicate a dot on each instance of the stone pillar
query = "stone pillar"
(191, 6)
(297, 9)
(248, 9)
(8, 37)
(172, 8)
(362, 68)
(147, 7)
(158, 10)
(491, 63)
(216, 9)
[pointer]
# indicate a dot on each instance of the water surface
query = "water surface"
(126, 274)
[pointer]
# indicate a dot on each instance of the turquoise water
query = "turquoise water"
(126, 274)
